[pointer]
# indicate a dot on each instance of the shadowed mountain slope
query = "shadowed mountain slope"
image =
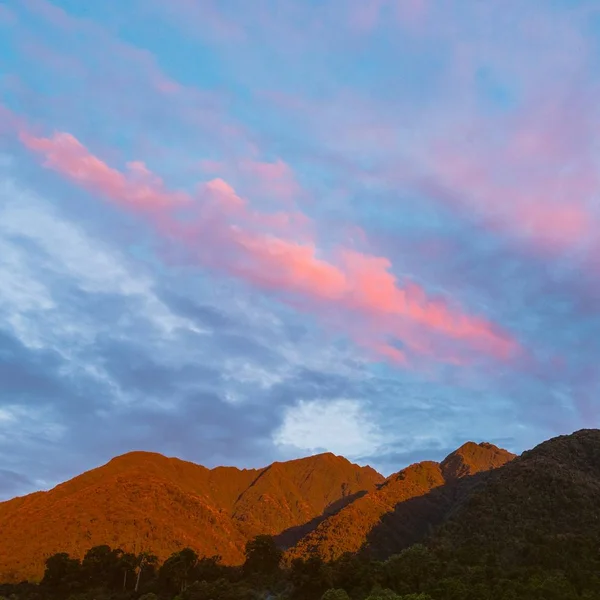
(543, 507)
(403, 509)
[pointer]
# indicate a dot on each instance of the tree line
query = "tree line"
(417, 573)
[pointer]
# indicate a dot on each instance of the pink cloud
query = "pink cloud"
(538, 184)
(270, 171)
(211, 166)
(10, 123)
(375, 290)
(116, 79)
(275, 251)
(138, 188)
(529, 173)
(274, 180)
(221, 198)
(279, 264)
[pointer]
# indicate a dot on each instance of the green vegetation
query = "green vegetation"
(529, 530)
(568, 569)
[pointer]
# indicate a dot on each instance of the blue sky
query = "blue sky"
(242, 232)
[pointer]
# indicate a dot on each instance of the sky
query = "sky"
(238, 232)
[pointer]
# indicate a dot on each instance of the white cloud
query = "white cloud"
(340, 426)
(245, 372)
(35, 423)
(25, 278)
(79, 301)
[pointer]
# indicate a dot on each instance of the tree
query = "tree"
(62, 572)
(310, 577)
(221, 589)
(101, 566)
(378, 593)
(408, 570)
(144, 561)
(262, 556)
(209, 568)
(176, 572)
(335, 594)
(128, 564)
(354, 574)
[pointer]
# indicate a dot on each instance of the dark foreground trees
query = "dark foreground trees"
(567, 569)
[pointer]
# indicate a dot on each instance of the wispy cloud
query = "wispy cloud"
(233, 238)
(221, 223)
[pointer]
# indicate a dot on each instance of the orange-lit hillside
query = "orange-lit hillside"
(145, 501)
(402, 509)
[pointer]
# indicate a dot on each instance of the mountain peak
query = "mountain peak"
(580, 449)
(472, 458)
(138, 456)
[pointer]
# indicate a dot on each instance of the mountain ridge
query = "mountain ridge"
(546, 496)
(350, 529)
(146, 501)
(482, 523)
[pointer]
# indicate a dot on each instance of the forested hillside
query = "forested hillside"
(525, 529)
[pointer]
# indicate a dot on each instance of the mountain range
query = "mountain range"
(321, 504)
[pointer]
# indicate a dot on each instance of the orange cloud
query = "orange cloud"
(276, 251)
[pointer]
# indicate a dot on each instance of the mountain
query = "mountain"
(494, 526)
(146, 501)
(322, 504)
(403, 509)
(542, 508)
